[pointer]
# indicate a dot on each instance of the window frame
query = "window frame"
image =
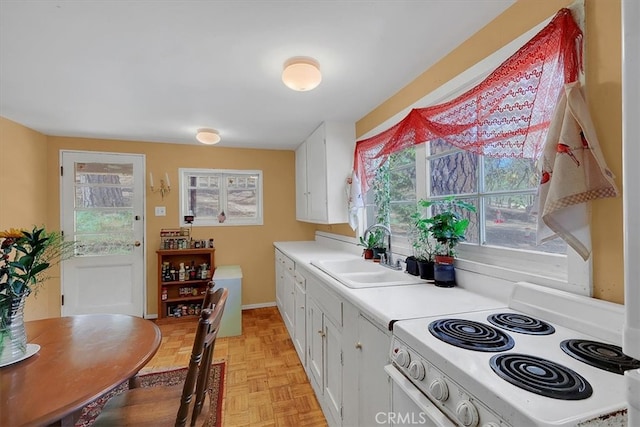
(221, 174)
(566, 272)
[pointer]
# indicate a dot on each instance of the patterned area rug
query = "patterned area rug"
(164, 378)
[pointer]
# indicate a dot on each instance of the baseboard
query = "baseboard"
(151, 316)
(261, 305)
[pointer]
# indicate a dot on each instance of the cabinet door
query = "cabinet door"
(288, 300)
(317, 176)
(299, 335)
(373, 384)
(315, 330)
(279, 282)
(301, 182)
(333, 370)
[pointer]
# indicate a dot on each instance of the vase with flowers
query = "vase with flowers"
(25, 257)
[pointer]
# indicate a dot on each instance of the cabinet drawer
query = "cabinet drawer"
(330, 303)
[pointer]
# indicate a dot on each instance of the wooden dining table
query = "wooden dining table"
(80, 358)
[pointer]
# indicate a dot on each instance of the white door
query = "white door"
(102, 207)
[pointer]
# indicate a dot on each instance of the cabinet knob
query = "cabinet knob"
(359, 345)
(137, 243)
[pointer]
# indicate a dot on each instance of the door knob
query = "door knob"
(137, 243)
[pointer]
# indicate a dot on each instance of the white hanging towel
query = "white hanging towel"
(355, 200)
(573, 172)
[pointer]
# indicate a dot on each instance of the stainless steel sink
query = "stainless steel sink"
(359, 273)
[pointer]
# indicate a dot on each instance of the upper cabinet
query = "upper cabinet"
(323, 163)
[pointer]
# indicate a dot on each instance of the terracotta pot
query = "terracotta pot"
(444, 259)
(367, 253)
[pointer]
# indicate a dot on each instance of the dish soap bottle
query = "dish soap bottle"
(182, 273)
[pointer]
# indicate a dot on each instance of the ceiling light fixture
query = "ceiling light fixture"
(301, 73)
(208, 136)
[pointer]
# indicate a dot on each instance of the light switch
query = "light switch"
(161, 211)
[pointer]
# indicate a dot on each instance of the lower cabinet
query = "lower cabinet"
(324, 342)
(342, 350)
(300, 316)
(373, 384)
(285, 284)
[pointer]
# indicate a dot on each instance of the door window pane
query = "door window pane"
(103, 212)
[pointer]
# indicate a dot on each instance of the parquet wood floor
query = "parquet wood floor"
(265, 383)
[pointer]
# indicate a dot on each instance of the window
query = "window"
(392, 199)
(218, 197)
(502, 189)
(501, 237)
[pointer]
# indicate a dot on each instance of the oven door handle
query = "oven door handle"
(427, 407)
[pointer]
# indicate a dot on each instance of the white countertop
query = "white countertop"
(386, 305)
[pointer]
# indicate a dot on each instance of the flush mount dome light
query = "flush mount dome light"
(301, 73)
(208, 136)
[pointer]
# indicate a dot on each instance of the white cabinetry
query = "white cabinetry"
(366, 387)
(324, 333)
(323, 164)
(285, 285)
(373, 394)
(300, 316)
(343, 351)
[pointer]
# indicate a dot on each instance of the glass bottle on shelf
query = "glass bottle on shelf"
(181, 272)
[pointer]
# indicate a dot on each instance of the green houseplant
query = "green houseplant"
(25, 257)
(447, 226)
(373, 242)
(423, 248)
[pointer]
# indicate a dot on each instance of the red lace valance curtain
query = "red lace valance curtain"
(506, 115)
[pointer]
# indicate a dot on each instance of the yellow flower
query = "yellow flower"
(12, 233)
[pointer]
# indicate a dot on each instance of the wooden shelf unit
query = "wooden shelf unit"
(174, 299)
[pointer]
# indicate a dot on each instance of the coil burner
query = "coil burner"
(541, 376)
(471, 335)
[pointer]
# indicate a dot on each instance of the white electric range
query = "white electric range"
(512, 365)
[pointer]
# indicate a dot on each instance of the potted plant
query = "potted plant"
(447, 227)
(372, 244)
(421, 262)
(25, 257)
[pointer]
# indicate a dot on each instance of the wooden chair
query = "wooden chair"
(207, 301)
(166, 406)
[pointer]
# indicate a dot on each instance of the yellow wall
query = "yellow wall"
(603, 87)
(24, 199)
(30, 195)
(251, 247)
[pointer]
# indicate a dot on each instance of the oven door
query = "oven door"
(409, 406)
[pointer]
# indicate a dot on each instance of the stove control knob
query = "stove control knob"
(416, 370)
(402, 357)
(439, 390)
(467, 414)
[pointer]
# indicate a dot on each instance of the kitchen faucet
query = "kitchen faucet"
(385, 260)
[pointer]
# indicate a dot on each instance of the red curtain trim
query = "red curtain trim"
(505, 115)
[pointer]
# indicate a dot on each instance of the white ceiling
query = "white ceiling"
(157, 71)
